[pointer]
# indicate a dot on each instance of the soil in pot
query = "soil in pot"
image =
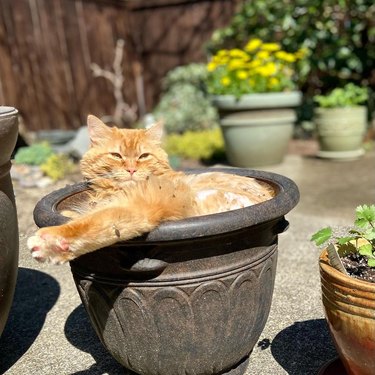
(356, 266)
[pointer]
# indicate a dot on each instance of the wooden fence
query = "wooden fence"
(47, 48)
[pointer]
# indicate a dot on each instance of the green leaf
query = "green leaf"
(322, 236)
(344, 240)
(365, 215)
(371, 262)
(370, 234)
(366, 250)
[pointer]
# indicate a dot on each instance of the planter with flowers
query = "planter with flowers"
(341, 121)
(254, 90)
(347, 270)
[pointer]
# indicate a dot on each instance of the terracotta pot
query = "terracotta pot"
(190, 297)
(349, 306)
(257, 127)
(8, 214)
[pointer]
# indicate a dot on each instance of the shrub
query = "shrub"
(57, 166)
(340, 35)
(196, 145)
(184, 105)
(35, 154)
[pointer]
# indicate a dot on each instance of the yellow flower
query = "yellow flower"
(253, 44)
(225, 81)
(267, 70)
(271, 47)
(222, 52)
(237, 53)
(211, 66)
(273, 82)
(242, 74)
(263, 55)
(285, 56)
(236, 64)
(254, 64)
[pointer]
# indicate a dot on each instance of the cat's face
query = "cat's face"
(118, 156)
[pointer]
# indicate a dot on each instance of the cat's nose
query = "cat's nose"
(131, 171)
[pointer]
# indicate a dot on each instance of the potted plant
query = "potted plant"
(341, 121)
(255, 92)
(8, 214)
(347, 268)
(162, 303)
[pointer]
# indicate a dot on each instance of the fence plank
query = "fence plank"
(47, 47)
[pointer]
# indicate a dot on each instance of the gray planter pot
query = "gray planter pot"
(8, 214)
(340, 131)
(257, 128)
(192, 296)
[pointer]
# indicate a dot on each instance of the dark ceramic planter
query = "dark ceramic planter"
(192, 296)
(8, 214)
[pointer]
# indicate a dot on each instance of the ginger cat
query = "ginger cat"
(133, 189)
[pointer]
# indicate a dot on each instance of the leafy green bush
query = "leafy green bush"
(348, 96)
(339, 34)
(57, 166)
(196, 145)
(35, 154)
(194, 74)
(184, 105)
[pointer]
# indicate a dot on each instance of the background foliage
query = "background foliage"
(339, 33)
(184, 105)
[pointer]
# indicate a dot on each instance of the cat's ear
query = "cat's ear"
(155, 132)
(98, 130)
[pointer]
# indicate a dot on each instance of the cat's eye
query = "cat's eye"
(116, 155)
(144, 155)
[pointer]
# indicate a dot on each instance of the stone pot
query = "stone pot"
(8, 213)
(349, 306)
(341, 131)
(190, 297)
(257, 127)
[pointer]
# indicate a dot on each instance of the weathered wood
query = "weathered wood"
(48, 46)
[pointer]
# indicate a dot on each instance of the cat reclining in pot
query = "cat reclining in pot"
(133, 189)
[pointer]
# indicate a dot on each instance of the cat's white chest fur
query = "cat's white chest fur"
(220, 201)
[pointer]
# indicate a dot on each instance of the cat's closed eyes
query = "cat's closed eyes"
(133, 189)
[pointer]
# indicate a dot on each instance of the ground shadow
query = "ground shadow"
(35, 294)
(304, 347)
(81, 334)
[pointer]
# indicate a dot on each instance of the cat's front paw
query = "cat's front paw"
(49, 247)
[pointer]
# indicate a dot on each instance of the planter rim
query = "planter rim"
(46, 214)
(341, 278)
(287, 99)
(358, 108)
(6, 111)
(280, 119)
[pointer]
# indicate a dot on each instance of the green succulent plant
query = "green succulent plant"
(35, 154)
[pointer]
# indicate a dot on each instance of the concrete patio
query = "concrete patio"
(48, 332)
